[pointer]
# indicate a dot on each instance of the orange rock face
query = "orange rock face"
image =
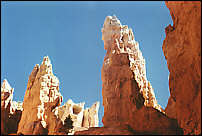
(182, 49)
(130, 106)
(125, 86)
(10, 110)
(41, 98)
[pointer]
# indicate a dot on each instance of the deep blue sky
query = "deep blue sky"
(70, 34)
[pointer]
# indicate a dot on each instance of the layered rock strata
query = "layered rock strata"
(10, 110)
(182, 50)
(123, 73)
(42, 96)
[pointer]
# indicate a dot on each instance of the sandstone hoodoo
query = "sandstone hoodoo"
(182, 50)
(42, 113)
(123, 73)
(10, 110)
(82, 118)
(130, 106)
(41, 98)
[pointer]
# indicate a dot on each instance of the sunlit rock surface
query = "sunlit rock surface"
(119, 39)
(10, 110)
(123, 73)
(82, 118)
(182, 50)
(130, 106)
(41, 98)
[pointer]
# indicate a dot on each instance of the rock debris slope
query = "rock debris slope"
(182, 50)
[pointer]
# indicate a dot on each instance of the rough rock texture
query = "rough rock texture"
(118, 40)
(182, 50)
(74, 110)
(90, 118)
(130, 106)
(41, 98)
(10, 110)
(82, 119)
(125, 86)
(148, 120)
(108, 130)
(170, 108)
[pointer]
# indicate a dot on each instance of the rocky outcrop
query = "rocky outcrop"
(130, 106)
(41, 98)
(125, 86)
(90, 117)
(10, 110)
(170, 108)
(74, 110)
(182, 50)
(82, 118)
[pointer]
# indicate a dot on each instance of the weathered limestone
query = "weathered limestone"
(74, 110)
(82, 119)
(123, 73)
(41, 98)
(130, 106)
(90, 118)
(182, 50)
(10, 110)
(119, 39)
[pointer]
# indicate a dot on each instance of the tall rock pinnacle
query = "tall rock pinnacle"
(41, 98)
(119, 40)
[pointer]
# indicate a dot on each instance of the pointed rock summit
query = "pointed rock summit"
(123, 73)
(41, 98)
(119, 39)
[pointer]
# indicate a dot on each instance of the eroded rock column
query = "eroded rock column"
(41, 98)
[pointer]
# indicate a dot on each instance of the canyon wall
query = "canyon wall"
(182, 50)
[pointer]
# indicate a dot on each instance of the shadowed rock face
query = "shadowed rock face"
(10, 110)
(182, 50)
(41, 98)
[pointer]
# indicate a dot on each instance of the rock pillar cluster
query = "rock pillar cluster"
(81, 117)
(182, 50)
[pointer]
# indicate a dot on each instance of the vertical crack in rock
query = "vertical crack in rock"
(123, 52)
